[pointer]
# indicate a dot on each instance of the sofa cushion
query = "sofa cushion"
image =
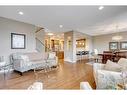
(123, 63)
(35, 56)
(111, 66)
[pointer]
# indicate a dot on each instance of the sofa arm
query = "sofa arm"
(19, 63)
(98, 66)
(108, 79)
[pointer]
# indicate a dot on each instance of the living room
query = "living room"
(79, 47)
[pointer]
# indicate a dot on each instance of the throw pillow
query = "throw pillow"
(51, 55)
(123, 63)
(111, 66)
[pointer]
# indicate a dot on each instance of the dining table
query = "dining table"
(111, 56)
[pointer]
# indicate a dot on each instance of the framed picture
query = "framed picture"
(18, 41)
(123, 45)
(113, 45)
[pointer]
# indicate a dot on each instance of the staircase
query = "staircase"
(40, 43)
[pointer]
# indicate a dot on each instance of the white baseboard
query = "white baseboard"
(68, 60)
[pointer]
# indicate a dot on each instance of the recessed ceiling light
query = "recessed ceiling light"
(50, 34)
(60, 26)
(21, 13)
(101, 7)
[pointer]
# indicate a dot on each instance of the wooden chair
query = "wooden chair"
(108, 55)
(121, 54)
(110, 52)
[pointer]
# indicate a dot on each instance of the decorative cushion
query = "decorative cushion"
(111, 66)
(51, 55)
(123, 63)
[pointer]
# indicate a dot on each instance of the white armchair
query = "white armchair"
(106, 79)
(96, 67)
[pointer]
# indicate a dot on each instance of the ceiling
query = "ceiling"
(85, 19)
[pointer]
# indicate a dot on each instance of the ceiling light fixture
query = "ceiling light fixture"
(117, 37)
(61, 26)
(50, 34)
(101, 7)
(20, 13)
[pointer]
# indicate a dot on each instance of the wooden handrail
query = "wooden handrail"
(39, 30)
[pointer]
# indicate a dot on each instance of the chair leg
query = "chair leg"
(21, 73)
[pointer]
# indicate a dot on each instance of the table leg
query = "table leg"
(4, 74)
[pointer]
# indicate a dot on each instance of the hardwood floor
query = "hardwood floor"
(67, 76)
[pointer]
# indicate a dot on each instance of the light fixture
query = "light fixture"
(69, 38)
(101, 7)
(61, 26)
(117, 37)
(20, 13)
(50, 34)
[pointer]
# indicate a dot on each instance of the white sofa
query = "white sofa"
(105, 79)
(25, 61)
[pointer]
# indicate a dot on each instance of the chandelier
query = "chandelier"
(117, 37)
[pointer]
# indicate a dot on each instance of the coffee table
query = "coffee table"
(45, 69)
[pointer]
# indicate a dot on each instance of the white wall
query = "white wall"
(101, 43)
(89, 44)
(7, 27)
(68, 52)
(70, 55)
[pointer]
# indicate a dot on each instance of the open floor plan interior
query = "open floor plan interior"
(63, 47)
